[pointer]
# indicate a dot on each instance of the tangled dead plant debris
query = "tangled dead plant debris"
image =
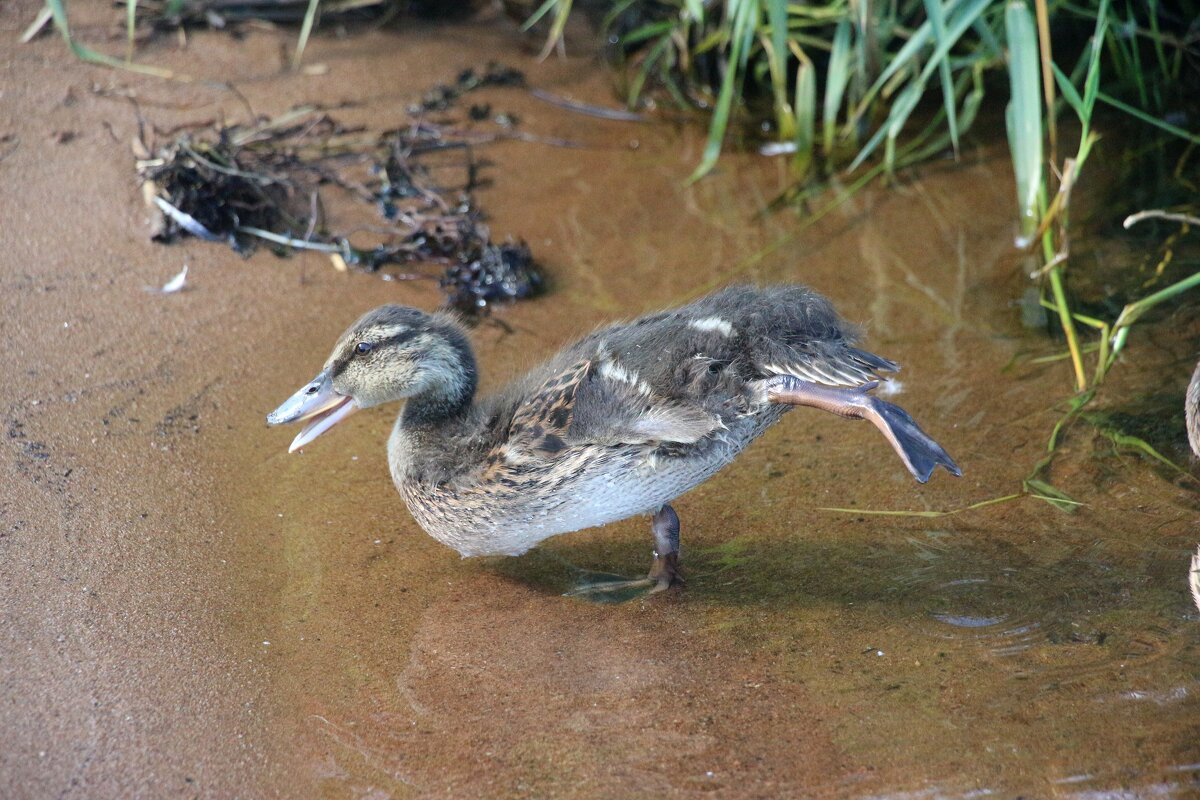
(444, 95)
(265, 182)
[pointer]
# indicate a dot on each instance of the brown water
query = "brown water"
(187, 610)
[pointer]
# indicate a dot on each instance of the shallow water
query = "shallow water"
(188, 610)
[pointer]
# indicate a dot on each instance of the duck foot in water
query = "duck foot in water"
(664, 572)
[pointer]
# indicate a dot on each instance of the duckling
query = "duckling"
(617, 424)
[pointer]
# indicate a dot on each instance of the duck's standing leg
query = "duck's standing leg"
(604, 588)
(665, 570)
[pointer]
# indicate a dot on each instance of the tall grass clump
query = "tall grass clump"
(854, 72)
(1044, 186)
(895, 81)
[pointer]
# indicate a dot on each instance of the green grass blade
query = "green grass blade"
(1091, 84)
(1067, 90)
(776, 65)
(898, 116)
(1137, 113)
(1044, 491)
(84, 53)
(963, 18)
(1130, 442)
(903, 106)
(777, 19)
(837, 75)
(933, 8)
(924, 514)
(991, 45)
(310, 16)
(537, 15)
(648, 31)
(974, 99)
(1133, 311)
(868, 148)
(1023, 116)
(806, 112)
(742, 36)
(906, 55)
(561, 12)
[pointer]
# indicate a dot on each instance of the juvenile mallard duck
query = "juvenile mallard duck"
(619, 423)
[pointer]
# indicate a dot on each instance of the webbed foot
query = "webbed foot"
(664, 572)
(920, 453)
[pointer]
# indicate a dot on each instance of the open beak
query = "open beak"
(316, 403)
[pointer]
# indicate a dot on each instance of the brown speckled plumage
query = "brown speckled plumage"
(616, 424)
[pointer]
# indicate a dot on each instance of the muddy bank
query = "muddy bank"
(187, 610)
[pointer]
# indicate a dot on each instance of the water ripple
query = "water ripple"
(1081, 614)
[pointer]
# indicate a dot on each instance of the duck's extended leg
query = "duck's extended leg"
(920, 453)
(665, 570)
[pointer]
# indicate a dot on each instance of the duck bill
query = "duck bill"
(317, 405)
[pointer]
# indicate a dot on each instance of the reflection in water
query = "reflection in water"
(998, 607)
(1079, 605)
(965, 620)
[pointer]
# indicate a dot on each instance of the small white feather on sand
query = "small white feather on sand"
(173, 285)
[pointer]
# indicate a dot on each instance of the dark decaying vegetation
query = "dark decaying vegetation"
(262, 182)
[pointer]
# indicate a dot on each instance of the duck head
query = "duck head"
(390, 353)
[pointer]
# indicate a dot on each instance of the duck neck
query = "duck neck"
(448, 396)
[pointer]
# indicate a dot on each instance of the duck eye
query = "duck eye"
(363, 347)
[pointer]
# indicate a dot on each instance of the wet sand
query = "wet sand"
(186, 610)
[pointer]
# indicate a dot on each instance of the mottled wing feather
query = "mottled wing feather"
(619, 406)
(540, 425)
(847, 366)
(617, 413)
(674, 422)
